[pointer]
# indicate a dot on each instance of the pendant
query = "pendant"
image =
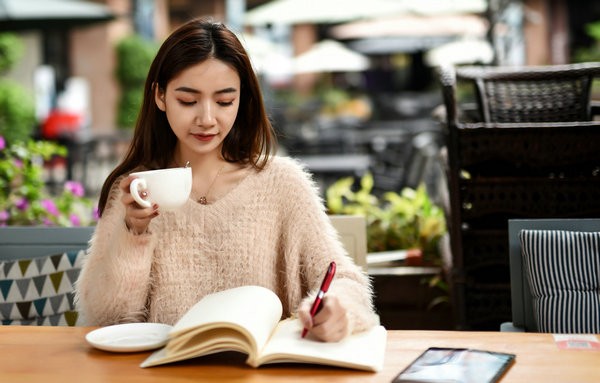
(202, 200)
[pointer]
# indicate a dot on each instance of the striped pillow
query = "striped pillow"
(563, 270)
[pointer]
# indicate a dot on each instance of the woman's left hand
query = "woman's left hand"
(330, 323)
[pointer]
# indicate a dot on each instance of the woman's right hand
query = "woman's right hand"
(137, 218)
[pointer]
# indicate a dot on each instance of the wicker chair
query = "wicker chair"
(520, 166)
(533, 94)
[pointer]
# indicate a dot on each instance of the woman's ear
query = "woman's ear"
(159, 97)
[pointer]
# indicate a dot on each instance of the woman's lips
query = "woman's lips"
(204, 137)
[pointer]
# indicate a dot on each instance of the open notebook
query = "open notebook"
(247, 319)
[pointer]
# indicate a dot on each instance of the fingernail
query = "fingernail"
(155, 206)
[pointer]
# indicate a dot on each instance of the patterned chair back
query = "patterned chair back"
(38, 269)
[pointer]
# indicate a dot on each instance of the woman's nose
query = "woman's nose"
(206, 115)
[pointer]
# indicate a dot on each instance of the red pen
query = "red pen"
(324, 287)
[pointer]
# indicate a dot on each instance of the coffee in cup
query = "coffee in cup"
(169, 188)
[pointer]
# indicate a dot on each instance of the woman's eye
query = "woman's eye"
(225, 103)
(186, 103)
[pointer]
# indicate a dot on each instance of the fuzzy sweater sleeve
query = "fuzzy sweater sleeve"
(115, 280)
(312, 238)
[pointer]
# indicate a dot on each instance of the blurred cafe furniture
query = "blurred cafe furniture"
(352, 230)
(523, 146)
(38, 269)
(327, 168)
(90, 156)
(398, 153)
(533, 94)
(554, 267)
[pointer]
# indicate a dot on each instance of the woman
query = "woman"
(253, 218)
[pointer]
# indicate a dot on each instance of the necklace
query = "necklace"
(203, 200)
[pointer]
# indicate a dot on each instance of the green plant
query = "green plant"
(134, 57)
(17, 112)
(11, 50)
(129, 106)
(396, 221)
(409, 220)
(591, 53)
(24, 198)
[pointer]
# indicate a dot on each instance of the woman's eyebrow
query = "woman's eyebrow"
(226, 90)
(196, 91)
(187, 90)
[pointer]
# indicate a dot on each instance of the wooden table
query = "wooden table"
(61, 354)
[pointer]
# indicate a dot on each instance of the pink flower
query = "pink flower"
(75, 188)
(50, 206)
(47, 222)
(75, 220)
(2, 143)
(22, 204)
(4, 215)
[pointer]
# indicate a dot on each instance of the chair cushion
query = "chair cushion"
(39, 291)
(563, 271)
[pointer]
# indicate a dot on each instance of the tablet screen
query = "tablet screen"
(456, 365)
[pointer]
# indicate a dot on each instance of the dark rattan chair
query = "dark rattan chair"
(533, 94)
(499, 170)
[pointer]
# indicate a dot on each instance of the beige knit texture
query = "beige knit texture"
(270, 230)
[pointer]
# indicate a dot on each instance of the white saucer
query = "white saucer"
(129, 337)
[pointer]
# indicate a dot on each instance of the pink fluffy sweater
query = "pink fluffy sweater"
(270, 230)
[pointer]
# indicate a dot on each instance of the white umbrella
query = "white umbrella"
(40, 14)
(267, 58)
(439, 7)
(335, 11)
(330, 56)
(465, 51)
(319, 11)
(413, 25)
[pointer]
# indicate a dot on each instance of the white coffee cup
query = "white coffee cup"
(169, 188)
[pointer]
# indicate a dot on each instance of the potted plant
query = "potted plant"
(24, 198)
(396, 221)
(408, 220)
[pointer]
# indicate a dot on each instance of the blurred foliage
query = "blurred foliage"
(592, 53)
(134, 57)
(409, 220)
(17, 110)
(593, 29)
(24, 198)
(129, 106)
(338, 102)
(11, 51)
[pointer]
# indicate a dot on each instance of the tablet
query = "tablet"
(456, 365)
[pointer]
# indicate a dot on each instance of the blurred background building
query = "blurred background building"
(77, 38)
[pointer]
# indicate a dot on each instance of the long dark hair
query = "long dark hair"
(250, 141)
